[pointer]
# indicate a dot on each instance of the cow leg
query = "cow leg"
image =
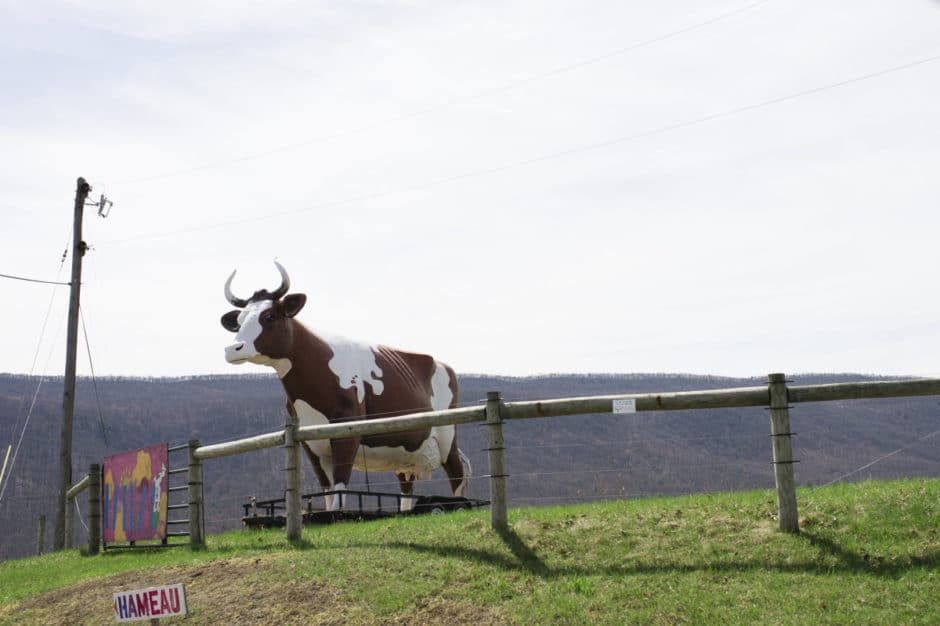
(321, 472)
(407, 483)
(454, 466)
(344, 453)
(317, 468)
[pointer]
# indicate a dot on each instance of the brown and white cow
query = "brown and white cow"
(330, 379)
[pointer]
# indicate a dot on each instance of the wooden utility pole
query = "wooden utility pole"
(68, 396)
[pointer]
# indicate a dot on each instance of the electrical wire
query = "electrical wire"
(26, 423)
(94, 379)
(34, 280)
(452, 102)
(78, 514)
(42, 331)
(623, 139)
(32, 368)
(881, 458)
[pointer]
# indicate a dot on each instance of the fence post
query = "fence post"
(41, 538)
(94, 508)
(783, 453)
(496, 452)
(292, 481)
(196, 530)
(69, 516)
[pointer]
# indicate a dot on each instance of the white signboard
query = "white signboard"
(625, 405)
(150, 603)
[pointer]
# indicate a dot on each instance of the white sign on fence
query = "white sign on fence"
(624, 405)
(150, 603)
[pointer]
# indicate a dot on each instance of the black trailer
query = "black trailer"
(359, 506)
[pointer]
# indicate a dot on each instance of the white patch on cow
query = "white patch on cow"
(354, 364)
(309, 416)
(249, 329)
(441, 395)
(420, 463)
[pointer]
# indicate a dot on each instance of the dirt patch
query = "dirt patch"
(764, 530)
(232, 591)
(438, 611)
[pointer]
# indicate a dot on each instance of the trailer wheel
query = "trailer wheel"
(437, 509)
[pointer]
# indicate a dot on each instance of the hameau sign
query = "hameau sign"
(150, 603)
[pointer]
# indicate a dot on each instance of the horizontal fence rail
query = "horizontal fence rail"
(392, 424)
(776, 395)
(78, 487)
(673, 401)
(858, 391)
(258, 442)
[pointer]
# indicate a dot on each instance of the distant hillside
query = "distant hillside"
(558, 460)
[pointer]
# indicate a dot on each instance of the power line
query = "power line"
(453, 101)
(29, 414)
(94, 379)
(34, 280)
(547, 156)
(78, 513)
(32, 368)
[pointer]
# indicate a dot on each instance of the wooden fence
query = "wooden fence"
(777, 396)
(193, 504)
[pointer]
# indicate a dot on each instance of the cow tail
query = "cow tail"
(467, 472)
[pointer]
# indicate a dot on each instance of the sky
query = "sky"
(725, 187)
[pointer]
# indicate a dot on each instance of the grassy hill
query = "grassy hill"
(868, 553)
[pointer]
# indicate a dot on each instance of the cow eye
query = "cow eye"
(267, 318)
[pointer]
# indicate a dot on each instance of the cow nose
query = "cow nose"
(234, 352)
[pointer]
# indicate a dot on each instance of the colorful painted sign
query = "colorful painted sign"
(134, 495)
(151, 603)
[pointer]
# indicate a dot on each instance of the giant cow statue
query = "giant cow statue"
(329, 379)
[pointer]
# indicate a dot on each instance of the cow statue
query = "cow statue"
(329, 380)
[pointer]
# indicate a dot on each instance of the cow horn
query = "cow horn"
(230, 296)
(285, 282)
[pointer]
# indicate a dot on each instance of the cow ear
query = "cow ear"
(292, 303)
(230, 321)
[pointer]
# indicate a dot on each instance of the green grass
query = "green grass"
(867, 553)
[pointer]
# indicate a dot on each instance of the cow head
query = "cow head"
(263, 324)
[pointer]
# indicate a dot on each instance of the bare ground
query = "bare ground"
(233, 591)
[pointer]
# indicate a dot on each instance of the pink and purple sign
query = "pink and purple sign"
(151, 603)
(134, 495)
